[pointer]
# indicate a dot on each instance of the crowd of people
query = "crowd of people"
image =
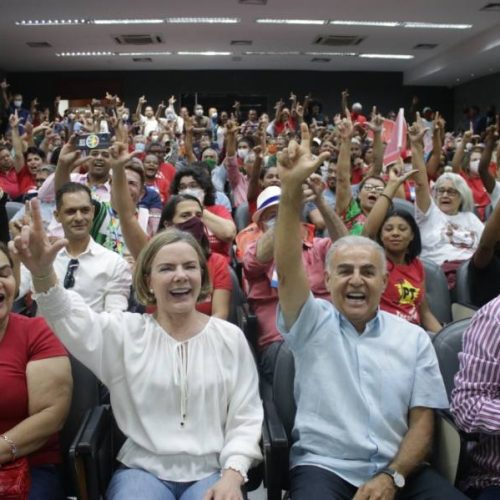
(127, 230)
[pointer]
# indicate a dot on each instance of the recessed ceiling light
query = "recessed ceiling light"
(205, 53)
(128, 21)
(386, 24)
(492, 6)
(50, 22)
(442, 26)
(84, 54)
(203, 20)
(386, 56)
(351, 54)
(38, 45)
(139, 54)
(241, 42)
(291, 21)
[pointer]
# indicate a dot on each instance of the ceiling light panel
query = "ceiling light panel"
(50, 22)
(203, 20)
(291, 21)
(127, 21)
(443, 26)
(386, 24)
(340, 54)
(140, 54)
(205, 53)
(386, 56)
(84, 54)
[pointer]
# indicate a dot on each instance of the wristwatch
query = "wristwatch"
(399, 479)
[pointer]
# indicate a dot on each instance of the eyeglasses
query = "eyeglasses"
(69, 279)
(373, 189)
(449, 191)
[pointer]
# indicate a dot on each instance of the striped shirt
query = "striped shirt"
(476, 396)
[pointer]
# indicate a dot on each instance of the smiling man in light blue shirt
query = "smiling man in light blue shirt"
(366, 382)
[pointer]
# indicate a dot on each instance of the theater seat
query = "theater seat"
(407, 206)
(450, 451)
(436, 289)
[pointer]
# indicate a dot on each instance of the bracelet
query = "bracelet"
(388, 198)
(12, 446)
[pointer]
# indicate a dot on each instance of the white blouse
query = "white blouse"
(188, 409)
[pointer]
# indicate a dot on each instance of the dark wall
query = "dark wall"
(483, 92)
(385, 90)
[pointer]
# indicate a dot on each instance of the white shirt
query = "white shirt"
(448, 237)
(188, 408)
(150, 124)
(102, 279)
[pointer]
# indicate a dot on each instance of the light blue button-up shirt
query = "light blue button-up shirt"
(353, 391)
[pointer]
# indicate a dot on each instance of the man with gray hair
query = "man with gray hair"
(366, 381)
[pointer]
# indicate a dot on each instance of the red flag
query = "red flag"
(397, 142)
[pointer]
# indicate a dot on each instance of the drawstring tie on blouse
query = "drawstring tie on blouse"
(180, 376)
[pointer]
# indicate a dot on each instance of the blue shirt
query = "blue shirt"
(151, 199)
(353, 391)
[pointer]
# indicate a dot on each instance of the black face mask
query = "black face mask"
(196, 228)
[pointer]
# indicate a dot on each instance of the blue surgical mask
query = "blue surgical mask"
(140, 146)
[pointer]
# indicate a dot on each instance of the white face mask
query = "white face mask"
(196, 192)
(140, 146)
(18, 103)
(125, 117)
(155, 138)
(474, 166)
(199, 112)
(170, 116)
(214, 116)
(242, 153)
(71, 116)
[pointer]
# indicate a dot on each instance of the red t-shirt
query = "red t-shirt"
(9, 182)
(405, 290)
(479, 193)
(25, 340)
(161, 185)
(217, 245)
(279, 127)
(25, 180)
(220, 278)
(168, 171)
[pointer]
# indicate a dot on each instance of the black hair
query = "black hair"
(33, 150)
(54, 157)
(415, 246)
(201, 176)
(263, 171)
(71, 187)
(168, 214)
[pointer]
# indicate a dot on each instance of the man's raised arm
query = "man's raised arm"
(295, 165)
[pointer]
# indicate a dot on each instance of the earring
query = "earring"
(151, 291)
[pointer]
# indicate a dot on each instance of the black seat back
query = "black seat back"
(283, 383)
(85, 396)
(448, 343)
(436, 289)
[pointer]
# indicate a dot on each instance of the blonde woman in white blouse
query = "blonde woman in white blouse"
(184, 386)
